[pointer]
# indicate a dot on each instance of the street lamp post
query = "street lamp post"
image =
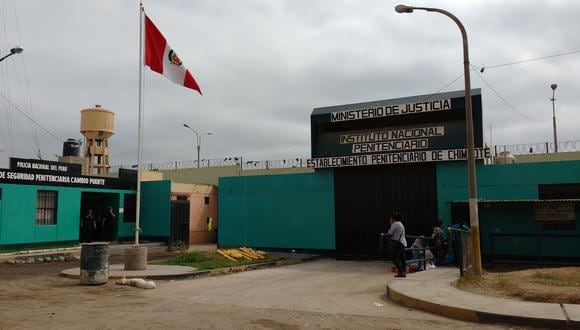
(553, 99)
(473, 211)
(15, 50)
(198, 141)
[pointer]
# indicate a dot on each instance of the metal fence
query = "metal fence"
(459, 241)
(222, 162)
(418, 252)
(514, 149)
(462, 249)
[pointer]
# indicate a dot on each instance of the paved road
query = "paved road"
(319, 294)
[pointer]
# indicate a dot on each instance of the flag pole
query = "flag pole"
(140, 129)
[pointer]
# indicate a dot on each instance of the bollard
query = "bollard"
(94, 263)
(136, 258)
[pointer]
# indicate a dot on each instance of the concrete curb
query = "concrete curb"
(155, 272)
(37, 253)
(115, 249)
(245, 268)
(424, 305)
(471, 315)
(562, 316)
(206, 273)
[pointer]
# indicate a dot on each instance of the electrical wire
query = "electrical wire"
(26, 95)
(8, 121)
(433, 95)
(566, 128)
(17, 126)
(528, 60)
(505, 101)
(29, 118)
(449, 84)
(15, 77)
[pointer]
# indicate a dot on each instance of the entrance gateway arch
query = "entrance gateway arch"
(384, 156)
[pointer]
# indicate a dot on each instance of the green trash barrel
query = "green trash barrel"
(94, 263)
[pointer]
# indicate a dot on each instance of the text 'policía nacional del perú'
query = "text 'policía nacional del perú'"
(390, 110)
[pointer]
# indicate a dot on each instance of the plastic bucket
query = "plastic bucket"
(94, 263)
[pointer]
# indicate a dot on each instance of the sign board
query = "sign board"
(555, 215)
(397, 158)
(47, 173)
(555, 212)
(45, 166)
(428, 128)
(390, 110)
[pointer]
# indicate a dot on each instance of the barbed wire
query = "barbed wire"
(536, 148)
(298, 162)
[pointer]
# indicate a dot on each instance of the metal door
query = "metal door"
(365, 197)
(179, 232)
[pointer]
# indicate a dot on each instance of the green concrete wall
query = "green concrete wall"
(278, 211)
(509, 181)
(520, 219)
(18, 214)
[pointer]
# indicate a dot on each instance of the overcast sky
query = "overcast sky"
(263, 65)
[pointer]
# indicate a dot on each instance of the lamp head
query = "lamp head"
(403, 9)
(16, 50)
(554, 86)
(209, 133)
(185, 125)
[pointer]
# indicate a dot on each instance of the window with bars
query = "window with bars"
(46, 207)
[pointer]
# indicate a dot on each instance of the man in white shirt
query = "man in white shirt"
(397, 244)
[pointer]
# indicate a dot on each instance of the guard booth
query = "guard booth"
(44, 202)
(384, 156)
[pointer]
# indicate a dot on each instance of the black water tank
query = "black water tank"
(71, 147)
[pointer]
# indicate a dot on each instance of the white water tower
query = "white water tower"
(505, 157)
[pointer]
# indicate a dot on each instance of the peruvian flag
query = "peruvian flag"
(160, 58)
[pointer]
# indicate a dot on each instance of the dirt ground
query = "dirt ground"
(555, 285)
(320, 294)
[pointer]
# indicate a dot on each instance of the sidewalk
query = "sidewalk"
(433, 291)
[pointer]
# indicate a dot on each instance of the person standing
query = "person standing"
(88, 227)
(439, 242)
(108, 224)
(209, 222)
(397, 244)
(211, 227)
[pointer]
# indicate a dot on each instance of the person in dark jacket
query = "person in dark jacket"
(88, 227)
(438, 237)
(108, 224)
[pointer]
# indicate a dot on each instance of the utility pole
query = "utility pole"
(553, 99)
(473, 211)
